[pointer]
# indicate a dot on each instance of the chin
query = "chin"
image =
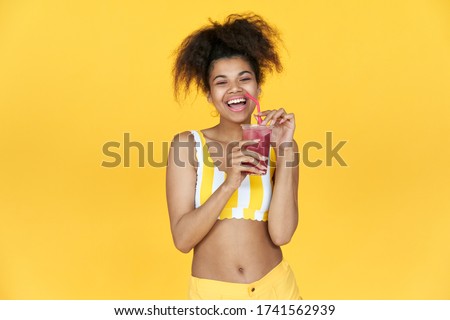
(239, 119)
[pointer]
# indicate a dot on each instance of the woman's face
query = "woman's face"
(229, 80)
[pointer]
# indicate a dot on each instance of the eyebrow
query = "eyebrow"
(239, 74)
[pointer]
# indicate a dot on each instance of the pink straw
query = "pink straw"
(248, 95)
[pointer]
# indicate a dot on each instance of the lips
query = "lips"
(237, 104)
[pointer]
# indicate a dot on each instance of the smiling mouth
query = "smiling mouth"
(237, 104)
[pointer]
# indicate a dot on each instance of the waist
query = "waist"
(238, 251)
(268, 278)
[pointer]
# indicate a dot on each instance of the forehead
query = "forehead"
(229, 67)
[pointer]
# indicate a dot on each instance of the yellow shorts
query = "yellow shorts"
(278, 284)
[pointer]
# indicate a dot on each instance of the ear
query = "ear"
(208, 97)
(259, 91)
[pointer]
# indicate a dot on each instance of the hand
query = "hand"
(240, 162)
(283, 125)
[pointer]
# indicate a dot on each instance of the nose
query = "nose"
(234, 87)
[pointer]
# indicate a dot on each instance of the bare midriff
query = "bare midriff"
(236, 250)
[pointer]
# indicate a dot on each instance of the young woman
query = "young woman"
(234, 215)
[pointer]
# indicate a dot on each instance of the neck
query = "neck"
(230, 131)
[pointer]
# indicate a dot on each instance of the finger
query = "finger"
(252, 169)
(275, 115)
(278, 114)
(246, 160)
(287, 117)
(268, 117)
(251, 159)
(261, 166)
(254, 154)
(255, 171)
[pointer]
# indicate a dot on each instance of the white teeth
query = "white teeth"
(240, 100)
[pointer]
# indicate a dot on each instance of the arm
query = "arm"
(283, 217)
(189, 225)
(283, 210)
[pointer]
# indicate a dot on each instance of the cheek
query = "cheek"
(217, 95)
(250, 87)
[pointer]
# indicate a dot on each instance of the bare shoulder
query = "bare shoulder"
(185, 136)
(182, 151)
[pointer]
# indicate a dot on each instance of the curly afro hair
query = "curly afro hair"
(247, 36)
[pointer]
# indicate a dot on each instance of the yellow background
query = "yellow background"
(77, 74)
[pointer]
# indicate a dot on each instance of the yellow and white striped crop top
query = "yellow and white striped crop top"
(250, 201)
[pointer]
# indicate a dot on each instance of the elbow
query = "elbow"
(280, 240)
(182, 246)
(282, 235)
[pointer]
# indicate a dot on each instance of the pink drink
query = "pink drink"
(254, 131)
